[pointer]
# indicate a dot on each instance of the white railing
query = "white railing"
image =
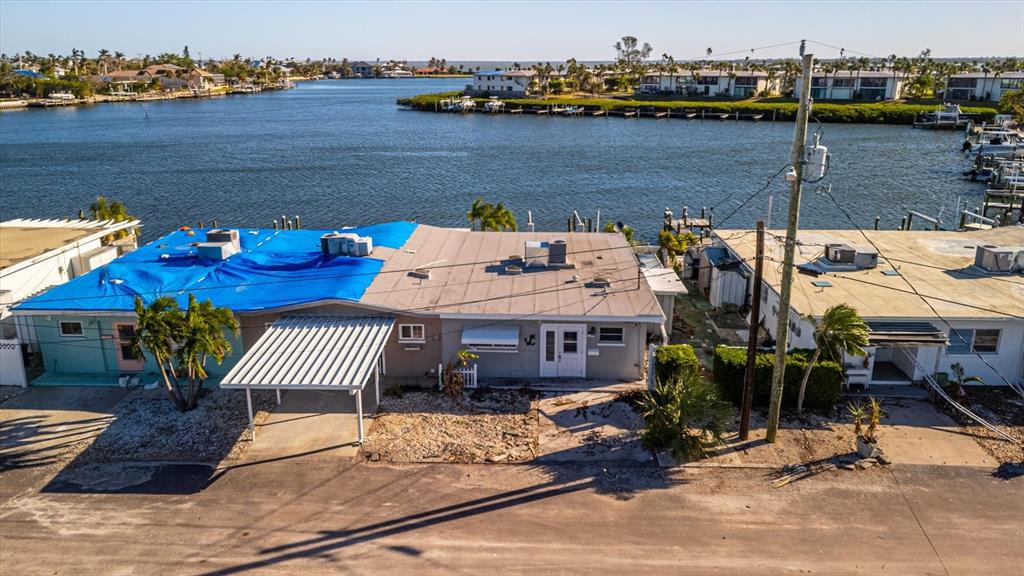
(468, 374)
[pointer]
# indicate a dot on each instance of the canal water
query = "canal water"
(342, 153)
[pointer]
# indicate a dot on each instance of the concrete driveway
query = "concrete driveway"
(50, 424)
(311, 424)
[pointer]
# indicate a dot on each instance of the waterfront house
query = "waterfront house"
(506, 83)
(362, 70)
(735, 84)
(982, 86)
(973, 283)
(854, 85)
(38, 254)
(533, 305)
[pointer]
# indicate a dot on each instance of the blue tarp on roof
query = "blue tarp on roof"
(30, 74)
(275, 268)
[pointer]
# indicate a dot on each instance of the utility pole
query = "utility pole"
(755, 323)
(782, 328)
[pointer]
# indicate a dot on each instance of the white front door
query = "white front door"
(563, 350)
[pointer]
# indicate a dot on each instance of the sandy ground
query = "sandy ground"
(1002, 408)
(485, 426)
(589, 427)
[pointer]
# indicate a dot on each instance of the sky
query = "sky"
(523, 31)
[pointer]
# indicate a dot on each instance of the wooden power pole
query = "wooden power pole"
(782, 328)
(755, 323)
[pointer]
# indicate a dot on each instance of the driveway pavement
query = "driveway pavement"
(47, 424)
(327, 517)
(311, 424)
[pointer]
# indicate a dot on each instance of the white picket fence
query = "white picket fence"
(12, 370)
(468, 373)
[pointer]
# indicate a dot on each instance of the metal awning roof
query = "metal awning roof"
(321, 352)
(500, 335)
(905, 334)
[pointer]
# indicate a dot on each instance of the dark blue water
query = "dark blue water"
(342, 153)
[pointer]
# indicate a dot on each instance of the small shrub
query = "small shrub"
(824, 386)
(673, 360)
(684, 416)
(453, 382)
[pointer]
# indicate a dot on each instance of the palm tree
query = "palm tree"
(840, 330)
(477, 212)
(960, 377)
(499, 219)
(181, 342)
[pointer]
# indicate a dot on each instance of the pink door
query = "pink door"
(127, 359)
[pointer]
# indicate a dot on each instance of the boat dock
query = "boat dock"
(495, 106)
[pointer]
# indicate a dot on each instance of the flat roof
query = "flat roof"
(273, 269)
(467, 277)
(24, 239)
(937, 263)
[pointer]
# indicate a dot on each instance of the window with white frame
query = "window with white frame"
(71, 329)
(611, 336)
(986, 341)
(411, 333)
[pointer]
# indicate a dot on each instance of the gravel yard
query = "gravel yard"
(147, 427)
(486, 426)
(1004, 409)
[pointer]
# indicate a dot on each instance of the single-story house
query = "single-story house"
(972, 312)
(854, 85)
(508, 83)
(37, 254)
(982, 86)
(737, 84)
(531, 304)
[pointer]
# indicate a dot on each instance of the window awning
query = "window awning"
(491, 336)
(905, 334)
(313, 352)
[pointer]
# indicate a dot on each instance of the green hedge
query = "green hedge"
(852, 112)
(823, 389)
(672, 360)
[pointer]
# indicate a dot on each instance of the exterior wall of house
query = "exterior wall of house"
(982, 87)
(95, 351)
(849, 87)
(1008, 360)
(502, 85)
(622, 362)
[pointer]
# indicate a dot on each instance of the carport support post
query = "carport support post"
(376, 382)
(359, 414)
(248, 403)
(278, 390)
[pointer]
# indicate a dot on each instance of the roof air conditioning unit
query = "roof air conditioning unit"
(840, 253)
(865, 259)
(996, 259)
(557, 252)
(224, 235)
(536, 253)
(346, 244)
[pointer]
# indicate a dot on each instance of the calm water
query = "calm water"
(341, 153)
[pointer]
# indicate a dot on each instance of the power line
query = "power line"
(750, 197)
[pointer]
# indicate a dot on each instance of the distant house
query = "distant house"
(509, 83)
(973, 280)
(362, 69)
(30, 74)
(854, 85)
(737, 84)
(38, 254)
(430, 70)
(981, 86)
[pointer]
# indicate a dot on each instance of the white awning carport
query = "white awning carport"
(314, 352)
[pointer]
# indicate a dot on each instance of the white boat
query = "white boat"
(494, 105)
(63, 96)
(950, 117)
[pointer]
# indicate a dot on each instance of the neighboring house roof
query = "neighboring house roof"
(990, 75)
(157, 69)
(22, 240)
(126, 74)
(360, 65)
(29, 73)
(684, 73)
(855, 74)
(937, 263)
(286, 270)
(513, 73)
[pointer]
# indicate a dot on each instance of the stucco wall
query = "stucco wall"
(612, 362)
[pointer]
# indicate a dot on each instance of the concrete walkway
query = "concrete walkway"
(915, 432)
(48, 424)
(311, 424)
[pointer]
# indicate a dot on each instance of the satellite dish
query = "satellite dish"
(619, 226)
